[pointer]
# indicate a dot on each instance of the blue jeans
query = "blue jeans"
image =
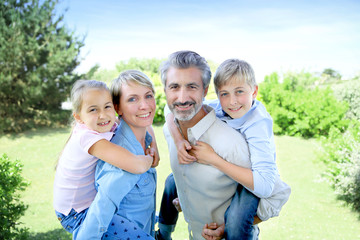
(168, 214)
(72, 220)
(239, 216)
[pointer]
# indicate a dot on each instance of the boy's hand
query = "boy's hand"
(184, 157)
(204, 153)
(154, 154)
(176, 203)
(213, 231)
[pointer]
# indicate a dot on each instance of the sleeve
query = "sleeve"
(113, 185)
(88, 138)
(262, 156)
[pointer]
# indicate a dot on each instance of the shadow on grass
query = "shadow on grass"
(42, 131)
(56, 234)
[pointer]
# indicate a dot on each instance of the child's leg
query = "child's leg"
(72, 220)
(168, 214)
(239, 216)
(122, 228)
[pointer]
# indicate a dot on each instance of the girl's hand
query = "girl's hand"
(144, 163)
(183, 147)
(213, 231)
(154, 154)
(204, 153)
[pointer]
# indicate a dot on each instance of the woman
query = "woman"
(125, 204)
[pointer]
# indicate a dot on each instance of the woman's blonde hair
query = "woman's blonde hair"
(126, 77)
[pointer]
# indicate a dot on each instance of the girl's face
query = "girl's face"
(97, 110)
(236, 97)
(137, 105)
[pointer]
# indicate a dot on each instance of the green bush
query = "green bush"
(11, 208)
(349, 92)
(299, 110)
(341, 153)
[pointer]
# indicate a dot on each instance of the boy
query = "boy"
(236, 88)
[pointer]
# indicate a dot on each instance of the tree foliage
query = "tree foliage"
(37, 57)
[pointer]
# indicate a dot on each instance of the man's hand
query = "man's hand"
(213, 231)
(184, 157)
(176, 203)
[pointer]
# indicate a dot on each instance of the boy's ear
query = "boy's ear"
(255, 92)
(77, 118)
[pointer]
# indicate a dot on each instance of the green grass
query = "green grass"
(311, 213)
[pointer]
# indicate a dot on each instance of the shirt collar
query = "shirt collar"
(203, 125)
(126, 132)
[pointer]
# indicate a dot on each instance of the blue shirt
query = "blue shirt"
(119, 192)
(256, 127)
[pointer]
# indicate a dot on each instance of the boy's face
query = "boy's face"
(236, 97)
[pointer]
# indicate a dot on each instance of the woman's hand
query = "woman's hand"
(154, 154)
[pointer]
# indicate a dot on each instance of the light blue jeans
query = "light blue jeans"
(72, 220)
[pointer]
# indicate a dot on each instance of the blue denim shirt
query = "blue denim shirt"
(119, 192)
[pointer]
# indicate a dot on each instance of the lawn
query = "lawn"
(313, 212)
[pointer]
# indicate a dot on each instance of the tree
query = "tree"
(37, 57)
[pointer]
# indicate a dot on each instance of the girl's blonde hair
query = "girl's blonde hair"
(80, 87)
(126, 77)
(76, 97)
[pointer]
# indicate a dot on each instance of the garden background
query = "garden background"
(316, 122)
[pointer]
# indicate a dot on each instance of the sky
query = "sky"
(273, 36)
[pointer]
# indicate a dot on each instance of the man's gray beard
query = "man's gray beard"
(186, 115)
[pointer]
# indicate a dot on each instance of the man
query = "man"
(204, 192)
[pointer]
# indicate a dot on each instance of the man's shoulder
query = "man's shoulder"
(223, 131)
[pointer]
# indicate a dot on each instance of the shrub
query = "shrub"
(341, 153)
(301, 111)
(349, 92)
(11, 208)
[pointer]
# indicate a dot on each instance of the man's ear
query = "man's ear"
(77, 118)
(255, 92)
(206, 91)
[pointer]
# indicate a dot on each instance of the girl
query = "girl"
(95, 117)
(124, 207)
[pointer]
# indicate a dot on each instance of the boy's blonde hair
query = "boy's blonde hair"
(126, 77)
(234, 69)
(80, 87)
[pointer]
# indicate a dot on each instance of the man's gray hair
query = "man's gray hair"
(183, 60)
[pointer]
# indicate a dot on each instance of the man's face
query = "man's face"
(184, 92)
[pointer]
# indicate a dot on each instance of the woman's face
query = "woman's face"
(137, 105)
